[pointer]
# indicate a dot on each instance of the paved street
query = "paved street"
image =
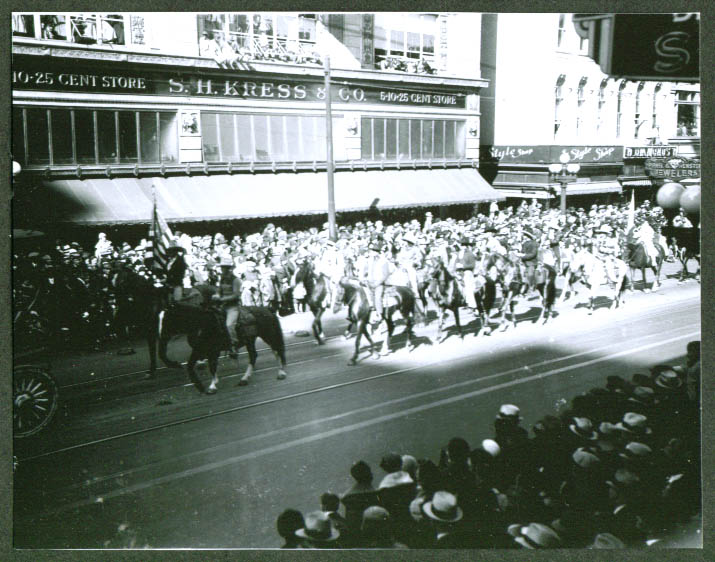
(156, 463)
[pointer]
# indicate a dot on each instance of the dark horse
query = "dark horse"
(355, 297)
(206, 334)
(637, 258)
(685, 244)
(316, 292)
(444, 290)
(513, 282)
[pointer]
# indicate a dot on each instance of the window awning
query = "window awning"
(202, 198)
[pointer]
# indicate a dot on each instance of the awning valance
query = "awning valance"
(222, 197)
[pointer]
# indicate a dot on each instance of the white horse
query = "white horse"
(592, 272)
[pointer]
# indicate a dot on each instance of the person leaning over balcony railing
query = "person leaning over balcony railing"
(208, 46)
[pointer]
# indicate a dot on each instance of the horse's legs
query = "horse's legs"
(645, 286)
(318, 323)
(251, 348)
(213, 369)
(151, 337)
(457, 322)
(346, 333)
(192, 373)
(281, 358)
(388, 333)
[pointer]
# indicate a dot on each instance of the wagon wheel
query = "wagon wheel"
(35, 398)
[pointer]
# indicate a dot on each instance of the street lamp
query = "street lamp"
(564, 173)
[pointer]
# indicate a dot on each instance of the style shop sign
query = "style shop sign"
(165, 84)
(546, 154)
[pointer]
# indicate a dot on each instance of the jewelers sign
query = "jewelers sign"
(673, 168)
(120, 79)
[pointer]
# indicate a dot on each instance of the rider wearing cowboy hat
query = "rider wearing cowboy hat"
(175, 271)
(606, 248)
(375, 273)
(529, 255)
(229, 293)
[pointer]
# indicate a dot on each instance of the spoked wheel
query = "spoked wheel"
(35, 398)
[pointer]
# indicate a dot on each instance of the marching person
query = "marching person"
(529, 256)
(376, 270)
(605, 248)
(463, 265)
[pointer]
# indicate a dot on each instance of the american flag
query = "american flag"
(160, 238)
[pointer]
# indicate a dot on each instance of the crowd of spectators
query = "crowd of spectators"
(232, 51)
(617, 467)
(69, 292)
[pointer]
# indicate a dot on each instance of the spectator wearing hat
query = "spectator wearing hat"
(360, 495)
(445, 515)
(585, 488)
(606, 541)
(581, 433)
(287, 523)
(318, 532)
(574, 527)
(377, 529)
(636, 426)
(330, 504)
(397, 489)
(513, 441)
(534, 536)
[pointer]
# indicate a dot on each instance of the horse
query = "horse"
(637, 258)
(354, 295)
(207, 335)
(444, 290)
(511, 278)
(316, 293)
(486, 278)
(591, 271)
(685, 244)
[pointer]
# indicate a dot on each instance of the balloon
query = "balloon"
(669, 195)
(690, 199)
(16, 168)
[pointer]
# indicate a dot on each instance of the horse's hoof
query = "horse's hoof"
(211, 390)
(281, 375)
(352, 362)
(243, 382)
(376, 355)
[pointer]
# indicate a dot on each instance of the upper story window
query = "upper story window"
(558, 103)
(687, 104)
(411, 139)
(619, 107)
(59, 136)
(580, 103)
(601, 103)
(654, 117)
(84, 28)
(637, 119)
(285, 37)
(561, 33)
(404, 41)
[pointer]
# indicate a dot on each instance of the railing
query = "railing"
(244, 47)
(423, 65)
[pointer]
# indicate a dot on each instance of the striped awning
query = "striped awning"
(237, 196)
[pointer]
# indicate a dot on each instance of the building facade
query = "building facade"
(546, 97)
(222, 115)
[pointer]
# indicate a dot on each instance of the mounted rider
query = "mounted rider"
(331, 264)
(229, 295)
(176, 268)
(645, 234)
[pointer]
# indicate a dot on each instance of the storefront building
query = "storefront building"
(110, 111)
(548, 98)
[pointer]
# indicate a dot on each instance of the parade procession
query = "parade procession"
(259, 256)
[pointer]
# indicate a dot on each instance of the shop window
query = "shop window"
(149, 137)
(580, 103)
(37, 128)
(62, 145)
(128, 147)
(229, 137)
(84, 136)
(54, 27)
(412, 139)
(23, 25)
(654, 111)
(106, 136)
(86, 28)
(18, 135)
(637, 121)
(168, 126)
(687, 105)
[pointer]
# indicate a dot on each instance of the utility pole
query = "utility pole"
(332, 231)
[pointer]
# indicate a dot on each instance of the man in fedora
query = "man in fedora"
(529, 256)
(377, 529)
(534, 536)
(463, 265)
(318, 531)
(444, 514)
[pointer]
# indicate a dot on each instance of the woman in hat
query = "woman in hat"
(318, 531)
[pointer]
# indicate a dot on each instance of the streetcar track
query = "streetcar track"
(124, 490)
(396, 338)
(317, 390)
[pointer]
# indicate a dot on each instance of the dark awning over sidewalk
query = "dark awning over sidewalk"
(201, 198)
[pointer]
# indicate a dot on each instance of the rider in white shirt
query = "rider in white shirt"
(332, 264)
(645, 234)
(605, 247)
